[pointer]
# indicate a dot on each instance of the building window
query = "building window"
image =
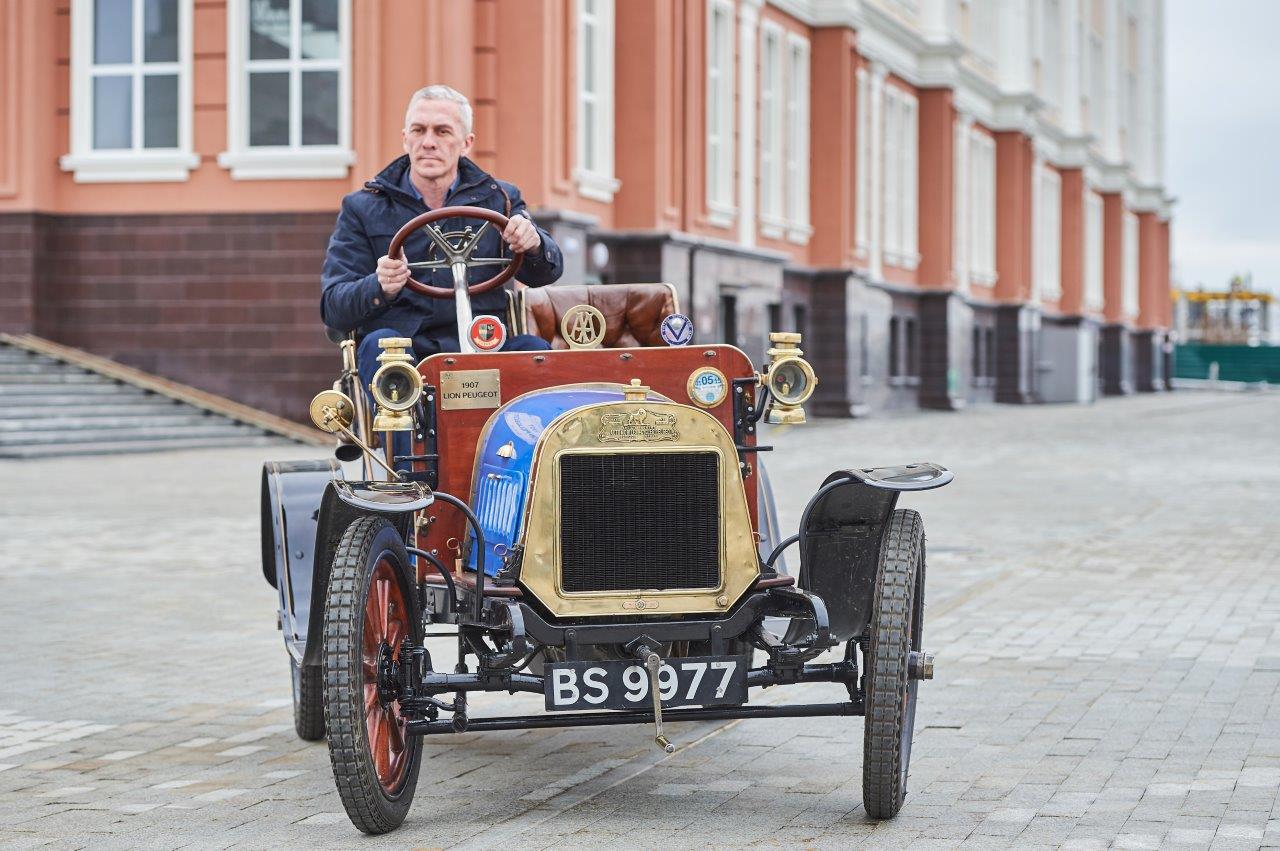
(862, 168)
(720, 147)
(594, 172)
(982, 208)
(800, 319)
(130, 91)
(797, 169)
(1051, 54)
(1093, 298)
(1048, 253)
(288, 89)
(904, 350)
(900, 155)
(982, 28)
(729, 318)
(771, 123)
(1129, 277)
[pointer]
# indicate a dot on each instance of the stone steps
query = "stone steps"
(51, 408)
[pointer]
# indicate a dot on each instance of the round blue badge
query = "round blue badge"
(676, 330)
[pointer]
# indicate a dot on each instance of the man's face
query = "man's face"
(433, 138)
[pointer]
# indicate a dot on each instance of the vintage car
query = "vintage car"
(593, 524)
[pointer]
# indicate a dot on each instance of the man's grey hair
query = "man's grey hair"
(442, 92)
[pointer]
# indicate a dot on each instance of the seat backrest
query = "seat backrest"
(633, 313)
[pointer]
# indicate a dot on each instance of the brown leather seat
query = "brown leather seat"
(633, 313)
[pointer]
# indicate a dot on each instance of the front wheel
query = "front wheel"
(897, 615)
(370, 609)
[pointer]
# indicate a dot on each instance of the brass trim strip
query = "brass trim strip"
(170, 389)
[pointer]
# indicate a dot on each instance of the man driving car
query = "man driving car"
(364, 289)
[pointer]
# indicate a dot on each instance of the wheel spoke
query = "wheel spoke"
(489, 261)
(443, 244)
(395, 632)
(465, 251)
(370, 699)
(381, 752)
(384, 589)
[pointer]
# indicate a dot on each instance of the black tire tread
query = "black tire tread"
(369, 809)
(883, 787)
(308, 702)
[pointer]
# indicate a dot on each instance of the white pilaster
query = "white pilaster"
(876, 259)
(748, 37)
(1013, 46)
(1072, 52)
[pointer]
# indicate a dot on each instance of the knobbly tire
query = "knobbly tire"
(897, 616)
(308, 701)
(370, 607)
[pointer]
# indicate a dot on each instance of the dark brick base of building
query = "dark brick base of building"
(225, 303)
(230, 304)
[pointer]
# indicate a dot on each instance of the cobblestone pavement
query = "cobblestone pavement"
(1104, 599)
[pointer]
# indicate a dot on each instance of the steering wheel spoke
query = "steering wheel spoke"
(489, 261)
(429, 264)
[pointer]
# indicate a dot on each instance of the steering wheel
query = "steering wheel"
(456, 257)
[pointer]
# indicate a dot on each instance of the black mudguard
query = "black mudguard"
(341, 503)
(291, 497)
(842, 532)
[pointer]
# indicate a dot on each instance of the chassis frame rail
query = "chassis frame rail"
(610, 719)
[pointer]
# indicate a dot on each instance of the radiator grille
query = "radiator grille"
(640, 521)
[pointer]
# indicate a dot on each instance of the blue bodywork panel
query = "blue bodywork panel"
(502, 483)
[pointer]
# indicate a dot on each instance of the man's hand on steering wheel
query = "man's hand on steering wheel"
(393, 274)
(521, 235)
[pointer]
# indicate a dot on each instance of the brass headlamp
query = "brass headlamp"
(396, 386)
(789, 378)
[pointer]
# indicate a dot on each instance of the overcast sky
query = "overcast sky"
(1222, 143)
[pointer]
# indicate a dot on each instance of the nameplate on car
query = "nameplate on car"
(700, 681)
(470, 388)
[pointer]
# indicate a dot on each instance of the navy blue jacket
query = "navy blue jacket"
(352, 299)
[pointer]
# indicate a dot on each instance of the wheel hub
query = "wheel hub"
(388, 675)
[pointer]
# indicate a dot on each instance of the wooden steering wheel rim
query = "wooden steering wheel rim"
(396, 249)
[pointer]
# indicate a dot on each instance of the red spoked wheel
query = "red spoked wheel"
(384, 630)
(370, 609)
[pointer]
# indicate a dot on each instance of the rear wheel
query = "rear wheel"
(308, 701)
(890, 694)
(370, 609)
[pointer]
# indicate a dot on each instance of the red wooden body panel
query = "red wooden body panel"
(664, 370)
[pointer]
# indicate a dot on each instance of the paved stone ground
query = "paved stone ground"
(1104, 599)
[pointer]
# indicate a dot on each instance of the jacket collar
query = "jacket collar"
(388, 180)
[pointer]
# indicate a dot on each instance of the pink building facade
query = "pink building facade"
(958, 201)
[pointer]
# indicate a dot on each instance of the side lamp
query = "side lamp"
(789, 379)
(396, 386)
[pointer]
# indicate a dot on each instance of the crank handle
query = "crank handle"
(654, 663)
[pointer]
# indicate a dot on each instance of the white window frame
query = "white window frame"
(1094, 299)
(597, 183)
(136, 164)
(862, 176)
(772, 218)
(901, 158)
(1048, 251)
(797, 163)
(293, 161)
(982, 208)
(891, 151)
(1129, 274)
(720, 149)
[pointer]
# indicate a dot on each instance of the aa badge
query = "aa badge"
(583, 327)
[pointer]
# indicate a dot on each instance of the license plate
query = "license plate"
(707, 681)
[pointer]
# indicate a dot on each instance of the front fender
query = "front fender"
(290, 503)
(841, 534)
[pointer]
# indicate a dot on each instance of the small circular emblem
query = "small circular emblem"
(487, 333)
(708, 387)
(583, 327)
(676, 330)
